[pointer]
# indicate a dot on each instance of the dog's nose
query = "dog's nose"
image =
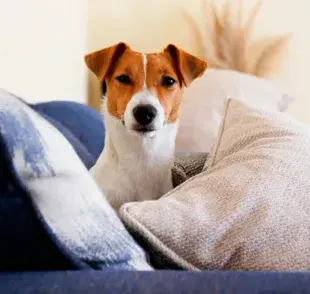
(144, 114)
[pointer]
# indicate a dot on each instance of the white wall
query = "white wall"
(42, 43)
(281, 16)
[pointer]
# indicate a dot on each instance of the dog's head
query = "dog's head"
(144, 91)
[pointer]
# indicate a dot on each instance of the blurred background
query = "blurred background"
(43, 42)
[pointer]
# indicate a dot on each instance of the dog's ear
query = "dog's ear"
(102, 61)
(188, 67)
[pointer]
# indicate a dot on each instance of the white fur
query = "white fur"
(144, 68)
(142, 98)
(134, 167)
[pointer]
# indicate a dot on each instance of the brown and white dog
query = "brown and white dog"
(142, 95)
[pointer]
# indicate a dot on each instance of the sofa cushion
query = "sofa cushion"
(248, 209)
(81, 125)
(204, 101)
(52, 214)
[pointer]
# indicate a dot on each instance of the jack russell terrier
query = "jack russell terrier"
(142, 95)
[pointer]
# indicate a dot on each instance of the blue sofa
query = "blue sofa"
(157, 282)
(32, 260)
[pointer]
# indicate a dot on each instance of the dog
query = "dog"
(142, 95)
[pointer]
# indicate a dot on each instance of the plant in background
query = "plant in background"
(227, 43)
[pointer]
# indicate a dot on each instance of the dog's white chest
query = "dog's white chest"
(133, 181)
(135, 168)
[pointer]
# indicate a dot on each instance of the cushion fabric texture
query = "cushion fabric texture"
(248, 209)
(187, 165)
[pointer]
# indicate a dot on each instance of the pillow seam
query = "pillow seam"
(213, 155)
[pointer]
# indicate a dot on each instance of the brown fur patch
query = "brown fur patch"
(130, 64)
(159, 65)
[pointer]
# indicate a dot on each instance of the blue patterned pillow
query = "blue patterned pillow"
(56, 184)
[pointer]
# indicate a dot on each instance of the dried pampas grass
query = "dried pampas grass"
(227, 42)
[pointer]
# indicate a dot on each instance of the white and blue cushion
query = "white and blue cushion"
(52, 214)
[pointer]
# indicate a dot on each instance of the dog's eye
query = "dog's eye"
(167, 81)
(104, 88)
(124, 79)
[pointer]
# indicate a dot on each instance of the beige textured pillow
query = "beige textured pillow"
(248, 210)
